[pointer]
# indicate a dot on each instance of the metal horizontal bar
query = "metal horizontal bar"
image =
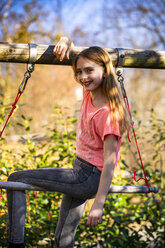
(113, 189)
(134, 58)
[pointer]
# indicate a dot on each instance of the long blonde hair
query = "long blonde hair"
(109, 85)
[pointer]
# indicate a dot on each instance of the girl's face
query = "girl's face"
(89, 74)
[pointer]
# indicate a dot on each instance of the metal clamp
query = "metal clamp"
(32, 57)
(22, 86)
(30, 66)
(121, 60)
(119, 69)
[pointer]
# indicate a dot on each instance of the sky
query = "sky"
(84, 14)
(89, 17)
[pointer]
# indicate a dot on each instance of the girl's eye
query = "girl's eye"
(78, 72)
(89, 70)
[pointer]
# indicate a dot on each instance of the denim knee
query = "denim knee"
(13, 177)
(65, 244)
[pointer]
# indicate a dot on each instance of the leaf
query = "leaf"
(155, 157)
(27, 128)
(123, 162)
(23, 117)
(20, 124)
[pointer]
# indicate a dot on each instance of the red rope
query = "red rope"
(13, 107)
(132, 123)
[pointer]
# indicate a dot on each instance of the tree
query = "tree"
(21, 21)
(137, 22)
(24, 22)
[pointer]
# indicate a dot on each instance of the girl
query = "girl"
(102, 121)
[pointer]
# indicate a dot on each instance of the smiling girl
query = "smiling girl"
(102, 121)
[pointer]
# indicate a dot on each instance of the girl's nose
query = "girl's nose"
(83, 77)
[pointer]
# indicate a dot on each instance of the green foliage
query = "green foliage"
(3, 108)
(129, 220)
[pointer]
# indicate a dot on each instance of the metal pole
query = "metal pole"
(112, 189)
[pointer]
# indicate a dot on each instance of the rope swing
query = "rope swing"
(119, 72)
(27, 75)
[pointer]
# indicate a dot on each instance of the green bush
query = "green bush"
(125, 223)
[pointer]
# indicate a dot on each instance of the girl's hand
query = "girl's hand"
(95, 215)
(62, 48)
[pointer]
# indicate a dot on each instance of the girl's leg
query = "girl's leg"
(81, 183)
(70, 213)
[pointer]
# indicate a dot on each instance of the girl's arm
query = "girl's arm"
(61, 49)
(110, 146)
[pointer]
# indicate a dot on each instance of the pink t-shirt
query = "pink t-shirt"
(93, 125)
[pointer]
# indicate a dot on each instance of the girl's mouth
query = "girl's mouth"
(86, 84)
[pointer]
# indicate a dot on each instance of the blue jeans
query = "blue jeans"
(77, 184)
